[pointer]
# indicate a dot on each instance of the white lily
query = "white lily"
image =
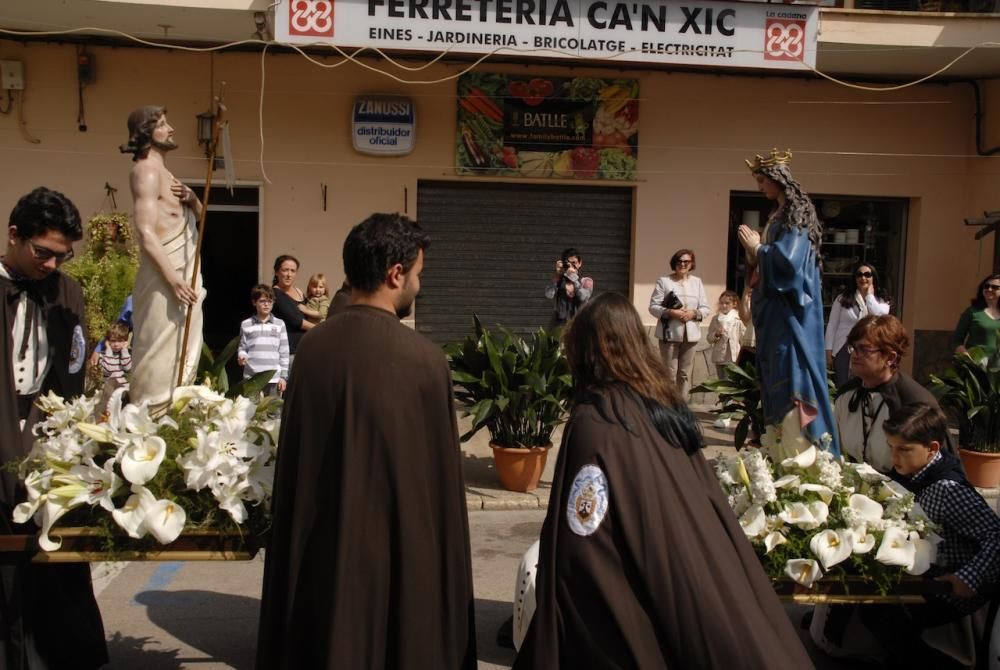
(141, 459)
(97, 484)
(230, 499)
(865, 508)
(37, 485)
(896, 548)
(772, 540)
(185, 394)
(165, 520)
(825, 493)
(924, 553)
(260, 481)
(136, 420)
(754, 521)
(805, 571)
(99, 432)
(832, 546)
(892, 489)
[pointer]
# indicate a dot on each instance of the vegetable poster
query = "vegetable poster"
(526, 126)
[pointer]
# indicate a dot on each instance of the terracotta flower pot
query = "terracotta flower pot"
(982, 468)
(520, 468)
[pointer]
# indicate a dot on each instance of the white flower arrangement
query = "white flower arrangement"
(810, 515)
(199, 466)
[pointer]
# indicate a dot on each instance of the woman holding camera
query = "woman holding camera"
(680, 304)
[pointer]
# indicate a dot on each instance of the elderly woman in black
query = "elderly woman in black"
(876, 345)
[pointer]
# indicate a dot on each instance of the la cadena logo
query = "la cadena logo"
(310, 18)
(784, 39)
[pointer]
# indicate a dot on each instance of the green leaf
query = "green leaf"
(251, 386)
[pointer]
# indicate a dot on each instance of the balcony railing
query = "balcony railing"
(961, 6)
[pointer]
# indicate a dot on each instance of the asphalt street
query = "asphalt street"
(203, 615)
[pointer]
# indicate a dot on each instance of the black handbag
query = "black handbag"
(670, 301)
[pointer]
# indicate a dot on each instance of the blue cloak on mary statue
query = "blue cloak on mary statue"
(787, 304)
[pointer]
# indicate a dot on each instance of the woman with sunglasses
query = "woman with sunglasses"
(979, 325)
(856, 302)
(680, 304)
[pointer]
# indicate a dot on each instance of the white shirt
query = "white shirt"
(691, 292)
(30, 371)
(842, 319)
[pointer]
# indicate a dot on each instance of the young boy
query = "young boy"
(968, 556)
(115, 363)
(725, 332)
(264, 341)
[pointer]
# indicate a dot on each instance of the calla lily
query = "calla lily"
(868, 473)
(893, 489)
(132, 515)
(165, 520)
(772, 540)
(865, 508)
(802, 460)
(820, 511)
(896, 548)
(754, 521)
(805, 571)
(797, 514)
(825, 493)
(863, 541)
(924, 553)
(787, 482)
(832, 546)
(51, 510)
(741, 470)
(141, 459)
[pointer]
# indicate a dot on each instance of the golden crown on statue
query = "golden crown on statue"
(776, 158)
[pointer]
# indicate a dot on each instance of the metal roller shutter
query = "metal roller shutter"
(494, 247)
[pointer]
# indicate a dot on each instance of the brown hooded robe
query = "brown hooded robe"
(667, 580)
(48, 615)
(368, 565)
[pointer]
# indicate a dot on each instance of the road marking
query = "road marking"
(160, 579)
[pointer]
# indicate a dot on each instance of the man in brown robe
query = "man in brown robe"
(48, 615)
(368, 565)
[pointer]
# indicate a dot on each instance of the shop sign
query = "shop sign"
(383, 125)
(540, 127)
(690, 32)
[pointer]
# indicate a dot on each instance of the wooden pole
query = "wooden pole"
(213, 146)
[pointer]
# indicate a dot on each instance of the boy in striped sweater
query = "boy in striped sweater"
(115, 363)
(264, 341)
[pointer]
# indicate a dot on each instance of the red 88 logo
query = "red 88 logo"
(784, 40)
(310, 17)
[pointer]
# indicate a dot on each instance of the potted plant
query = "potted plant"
(518, 390)
(971, 388)
(739, 396)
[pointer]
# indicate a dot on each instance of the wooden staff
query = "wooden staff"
(212, 147)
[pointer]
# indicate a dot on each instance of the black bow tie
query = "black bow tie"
(861, 396)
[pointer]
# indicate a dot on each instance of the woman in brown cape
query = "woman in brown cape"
(642, 563)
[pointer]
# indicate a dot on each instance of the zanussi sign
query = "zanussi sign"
(728, 34)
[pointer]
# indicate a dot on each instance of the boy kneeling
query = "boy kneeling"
(968, 556)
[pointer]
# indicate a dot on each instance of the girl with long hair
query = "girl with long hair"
(642, 562)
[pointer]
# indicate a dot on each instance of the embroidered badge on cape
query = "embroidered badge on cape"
(77, 350)
(588, 500)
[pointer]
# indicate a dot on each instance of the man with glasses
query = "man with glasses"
(166, 213)
(48, 615)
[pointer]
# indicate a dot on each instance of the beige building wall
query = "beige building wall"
(696, 130)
